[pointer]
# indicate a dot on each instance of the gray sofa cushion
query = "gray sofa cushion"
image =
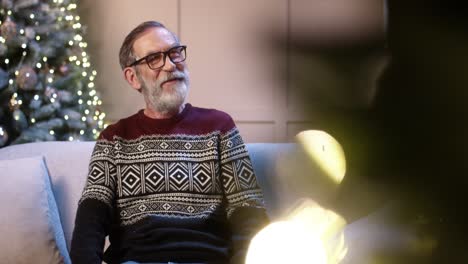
(29, 222)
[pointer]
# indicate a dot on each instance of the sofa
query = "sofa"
(42, 183)
(60, 169)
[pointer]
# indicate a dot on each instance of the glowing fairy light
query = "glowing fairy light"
(65, 117)
(24, 45)
(7, 61)
(81, 132)
(79, 92)
(51, 132)
(83, 119)
(86, 111)
(36, 97)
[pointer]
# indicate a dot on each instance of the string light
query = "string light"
(32, 16)
(51, 71)
(21, 31)
(33, 120)
(86, 112)
(24, 45)
(70, 42)
(7, 61)
(38, 65)
(16, 73)
(10, 81)
(38, 37)
(65, 117)
(80, 101)
(79, 92)
(91, 85)
(83, 119)
(84, 74)
(36, 97)
(70, 138)
(51, 132)
(81, 132)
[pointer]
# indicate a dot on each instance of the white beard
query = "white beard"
(165, 101)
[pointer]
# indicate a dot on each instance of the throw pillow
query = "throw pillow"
(29, 218)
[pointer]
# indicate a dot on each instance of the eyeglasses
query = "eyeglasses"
(157, 60)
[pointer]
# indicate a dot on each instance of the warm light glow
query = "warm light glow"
(310, 234)
(325, 151)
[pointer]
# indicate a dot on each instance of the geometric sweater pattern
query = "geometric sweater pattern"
(190, 168)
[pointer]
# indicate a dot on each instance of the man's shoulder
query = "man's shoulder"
(211, 113)
(213, 118)
(117, 128)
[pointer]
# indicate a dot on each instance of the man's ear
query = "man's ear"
(132, 79)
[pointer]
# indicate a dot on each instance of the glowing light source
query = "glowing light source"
(325, 151)
(310, 234)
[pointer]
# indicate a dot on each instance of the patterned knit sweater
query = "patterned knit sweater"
(181, 189)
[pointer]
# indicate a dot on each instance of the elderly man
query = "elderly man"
(172, 183)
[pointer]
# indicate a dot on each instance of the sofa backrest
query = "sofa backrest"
(67, 163)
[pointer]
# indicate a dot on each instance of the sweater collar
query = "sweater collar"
(164, 121)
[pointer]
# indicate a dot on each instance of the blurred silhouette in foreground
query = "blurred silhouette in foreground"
(406, 150)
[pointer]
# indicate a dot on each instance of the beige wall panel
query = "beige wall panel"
(229, 57)
(257, 132)
(108, 22)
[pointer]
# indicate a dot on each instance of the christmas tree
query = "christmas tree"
(47, 88)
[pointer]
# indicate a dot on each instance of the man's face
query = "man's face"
(164, 89)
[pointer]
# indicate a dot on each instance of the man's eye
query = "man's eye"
(154, 58)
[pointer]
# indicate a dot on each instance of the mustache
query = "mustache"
(174, 75)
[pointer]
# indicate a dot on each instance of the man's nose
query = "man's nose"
(168, 65)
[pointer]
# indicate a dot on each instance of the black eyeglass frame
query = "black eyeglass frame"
(165, 54)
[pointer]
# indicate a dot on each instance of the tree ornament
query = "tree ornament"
(27, 78)
(8, 29)
(50, 91)
(64, 69)
(3, 136)
(30, 33)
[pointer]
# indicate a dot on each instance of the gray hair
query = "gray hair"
(126, 56)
